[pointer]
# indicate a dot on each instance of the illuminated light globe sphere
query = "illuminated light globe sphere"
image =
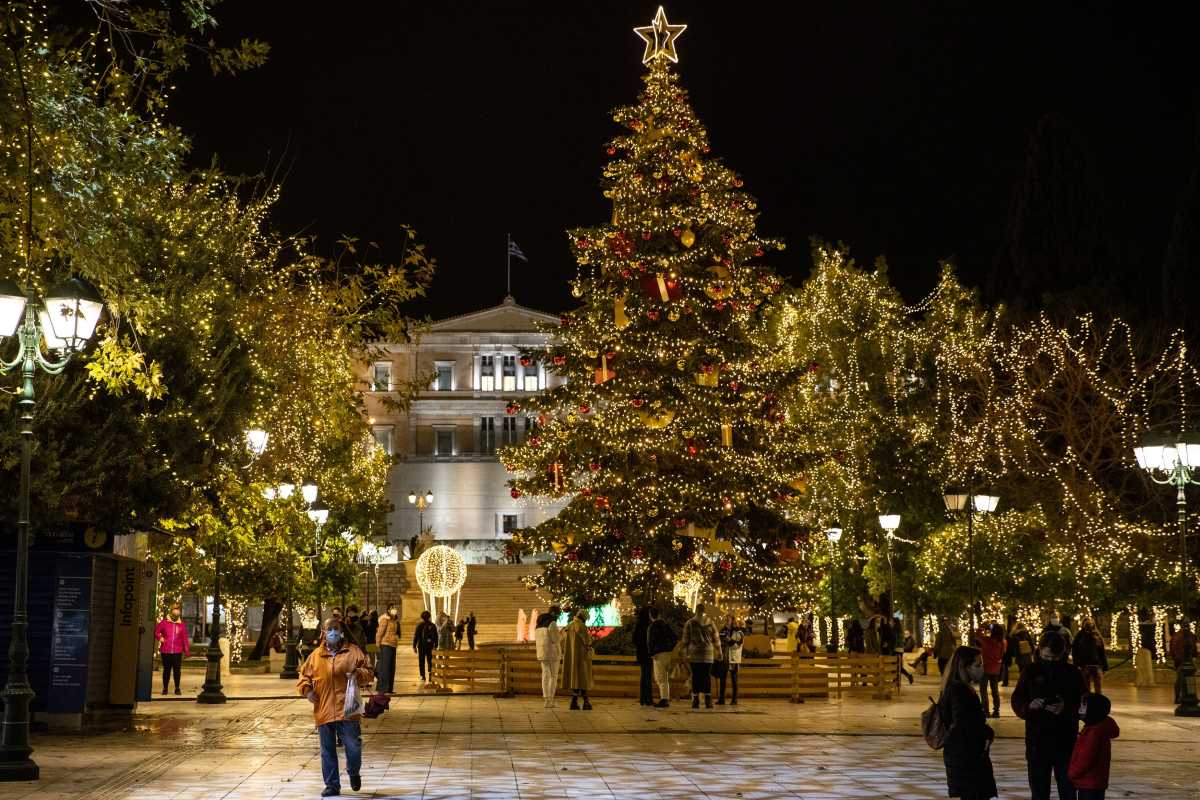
(441, 571)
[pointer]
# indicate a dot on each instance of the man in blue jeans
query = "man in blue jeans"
(323, 681)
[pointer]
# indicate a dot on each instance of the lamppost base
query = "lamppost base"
(211, 698)
(291, 664)
(1186, 709)
(20, 769)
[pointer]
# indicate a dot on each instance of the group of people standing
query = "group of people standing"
(710, 653)
(1052, 696)
(445, 634)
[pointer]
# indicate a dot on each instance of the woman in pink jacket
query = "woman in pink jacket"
(172, 637)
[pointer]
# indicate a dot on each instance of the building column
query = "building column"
(476, 373)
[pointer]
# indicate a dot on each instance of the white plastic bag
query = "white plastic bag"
(355, 704)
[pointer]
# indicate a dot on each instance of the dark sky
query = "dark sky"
(899, 128)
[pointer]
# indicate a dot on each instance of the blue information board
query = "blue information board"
(69, 644)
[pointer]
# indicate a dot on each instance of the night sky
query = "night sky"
(898, 128)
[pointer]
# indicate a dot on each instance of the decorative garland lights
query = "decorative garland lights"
(715, 421)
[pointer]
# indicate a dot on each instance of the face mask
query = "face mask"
(975, 672)
(1047, 654)
(332, 638)
(393, 612)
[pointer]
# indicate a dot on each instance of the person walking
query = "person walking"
(172, 637)
(1087, 653)
(471, 628)
(660, 645)
(460, 630)
(641, 647)
(700, 641)
(1047, 697)
(891, 640)
(789, 643)
(968, 738)
(992, 644)
(872, 644)
(1182, 649)
(445, 629)
(547, 640)
(323, 680)
(1010, 650)
(577, 660)
(1092, 757)
(387, 639)
(855, 638)
(1023, 650)
(944, 644)
(732, 637)
(425, 641)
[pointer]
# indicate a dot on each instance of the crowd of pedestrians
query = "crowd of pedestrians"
(1058, 688)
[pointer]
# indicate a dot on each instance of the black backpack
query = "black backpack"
(429, 638)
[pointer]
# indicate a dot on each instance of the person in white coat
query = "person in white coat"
(548, 640)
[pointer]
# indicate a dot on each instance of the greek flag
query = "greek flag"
(513, 250)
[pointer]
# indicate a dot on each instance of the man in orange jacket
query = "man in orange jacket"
(323, 681)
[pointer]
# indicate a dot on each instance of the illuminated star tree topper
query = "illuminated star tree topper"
(660, 37)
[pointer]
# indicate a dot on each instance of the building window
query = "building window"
(443, 442)
(487, 373)
(381, 376)
(444, 382)
(530, 426)
(510, 373)
(383, 437)
(510, 430)
(508, 523)
(487, 435)
(531, 377)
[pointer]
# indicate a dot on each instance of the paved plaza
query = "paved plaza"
(439, 746)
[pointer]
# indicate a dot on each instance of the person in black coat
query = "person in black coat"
(854, 638)
(642, 646)
(968, 737)
(1047, 697)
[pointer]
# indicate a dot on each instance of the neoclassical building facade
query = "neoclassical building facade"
(471, 367)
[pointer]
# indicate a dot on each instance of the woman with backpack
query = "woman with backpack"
(967, 737)
(700, 644)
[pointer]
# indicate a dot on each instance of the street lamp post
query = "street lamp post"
(972, 504)
(212, 692)
(890, 523)
(833, 536)
(291, 659)
(65, 321)
(1177, 458)
(421, 501)
(318, 512)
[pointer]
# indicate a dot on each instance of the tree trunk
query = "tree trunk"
(270, 621)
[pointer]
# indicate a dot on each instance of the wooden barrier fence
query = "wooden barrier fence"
(516, 670)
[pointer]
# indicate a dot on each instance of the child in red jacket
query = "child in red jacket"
(1092, 755)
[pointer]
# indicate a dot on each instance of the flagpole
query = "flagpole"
(508, 263)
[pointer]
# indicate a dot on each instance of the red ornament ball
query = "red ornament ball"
(653, 314)
(636, 552)
(758, 252)
(637, 402)
(612, 151)
(572, 556)
(525, 361)
(646, 235)
(680, 522)
(515, 493)
(725, 565)
(585, 408)
(558, 361)
(594, 467)
(511, 408)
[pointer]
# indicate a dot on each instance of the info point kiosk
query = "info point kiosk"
(91, 627)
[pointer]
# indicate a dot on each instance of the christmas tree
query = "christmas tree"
(671, 435)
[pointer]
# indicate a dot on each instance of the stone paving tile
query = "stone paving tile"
(482, 747)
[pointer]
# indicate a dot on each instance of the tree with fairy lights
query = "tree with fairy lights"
(670, 435)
